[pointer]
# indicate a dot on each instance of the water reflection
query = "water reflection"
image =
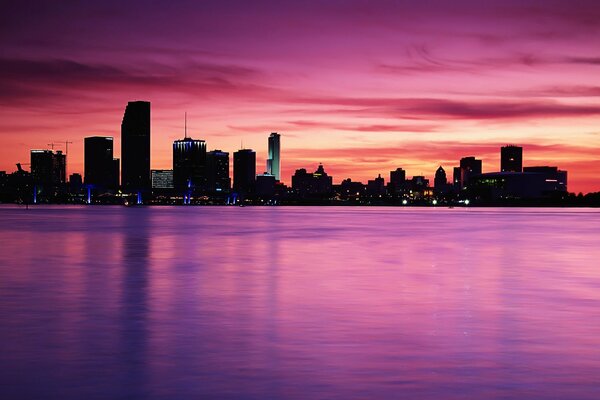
(297, 303)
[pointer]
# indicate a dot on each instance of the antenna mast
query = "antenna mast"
(185, 124)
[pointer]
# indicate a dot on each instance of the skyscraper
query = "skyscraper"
(397, 180)
(273, 156)
(511, 159)
(217, 166)
(189, 164)
(441, 180)
(101, 170)
(469, 167)
(244, 170)
(135, 147)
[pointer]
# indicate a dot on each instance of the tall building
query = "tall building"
(397, 180)
(217, 168)
(469, 167)
(48, 168)
(441, 180)
(244, 170)
(101, 170)
(511, 159)
(135, 147)
(189, 164)
(273, 156)
(376, 187)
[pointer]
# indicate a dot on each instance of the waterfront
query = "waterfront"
(295, 302)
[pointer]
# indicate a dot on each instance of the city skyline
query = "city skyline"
(362, 88)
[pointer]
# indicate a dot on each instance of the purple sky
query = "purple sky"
(364, 87)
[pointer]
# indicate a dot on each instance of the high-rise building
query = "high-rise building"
(397, 180)
(244, 170)
(511, 159)
(189, 164)
(101, 170)
(273, 156)
(440, 181)
(48, 168)
(135, 147)
(456, 177)
(469, 167)
(217, 167)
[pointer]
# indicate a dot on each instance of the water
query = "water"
(299, 303)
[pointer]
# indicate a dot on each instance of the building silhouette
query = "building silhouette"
(440, 181)
(469, 167)
(318, 183)
(217, 168)
(265, 185)
(101, 169)
(274, 156)
(554, 178)
(189, 165)
(397, 181)
(244, 171)
(48, 168)
(511, 159)
(376, 187)
(135, 147)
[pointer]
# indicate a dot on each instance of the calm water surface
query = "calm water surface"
(299, 303)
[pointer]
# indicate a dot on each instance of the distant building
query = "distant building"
(352, 190)
(189, 165)
(135, 147)
(162, 179)
(555, 179)
(75, 182)
(440, 182)
(469, 167)
(101, 170)
(534, 183)
(274, 156)
(456, 177)
(376, 187)
(265, 185)
(48, 168)
(397, 181)
(217, 167)
(244, 171)
(306, 184)
(511, 159)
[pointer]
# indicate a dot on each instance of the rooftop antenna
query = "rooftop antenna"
(185, 124)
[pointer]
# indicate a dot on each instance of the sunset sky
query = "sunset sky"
(362, 86)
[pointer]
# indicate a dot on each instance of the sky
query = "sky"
(364, 87)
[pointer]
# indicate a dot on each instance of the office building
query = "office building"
(511, 159)
(554, 179)
(217, 168)
(376, 187)
(48, 168)
(469, 167)
(189, 165)
(244, 171)
(273, 156)
(265, 185)
(101, 170)
(135, 147)
(306, 184)
(440, 181)
(397, 181)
